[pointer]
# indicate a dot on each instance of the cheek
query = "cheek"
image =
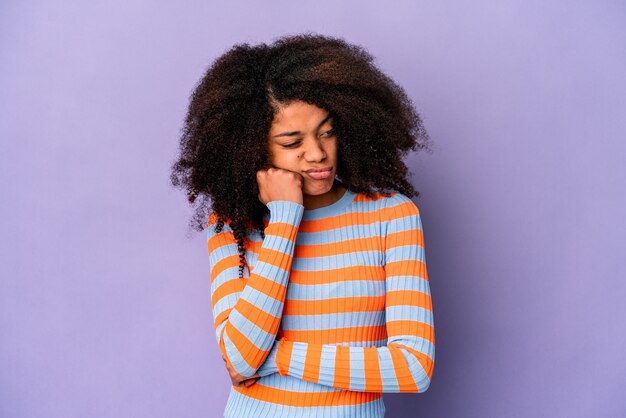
(282, 159)
(332, 150)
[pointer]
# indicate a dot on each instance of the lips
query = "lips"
(319, 173)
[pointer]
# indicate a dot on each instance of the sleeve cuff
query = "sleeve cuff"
(285, 211)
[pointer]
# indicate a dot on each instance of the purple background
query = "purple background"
(104, 302)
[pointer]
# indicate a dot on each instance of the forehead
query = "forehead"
(298, 114)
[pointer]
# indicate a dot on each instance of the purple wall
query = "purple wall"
(104, 298)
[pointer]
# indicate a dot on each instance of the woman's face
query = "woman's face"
(301, 138)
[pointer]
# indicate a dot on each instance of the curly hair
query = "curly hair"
(224, 137)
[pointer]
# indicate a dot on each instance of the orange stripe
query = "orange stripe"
(406, 383)
(312, 363)
(227, 288)
(223, 264)
(373, 379)
(342, 367)
(409, 298)
(258, 316)
(307, 399)
(252, 355)
(406, 268)
(338, 248)
(334, 248)
(364, 244)
(270, 256)
(406, 237)
(221, 317)
(220, 240)
(375, 196)
(281, 229)
(404, 327)
(364, 218)
(268, 287)
(336, 335)
(260, 283)
(334, 305)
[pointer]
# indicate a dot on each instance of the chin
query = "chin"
(317, 189)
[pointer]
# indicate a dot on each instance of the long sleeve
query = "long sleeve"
(247, 312)
(406, 362)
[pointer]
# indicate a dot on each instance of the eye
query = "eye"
(328, 133)
(293, 145)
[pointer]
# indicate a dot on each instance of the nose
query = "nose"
(314, 151)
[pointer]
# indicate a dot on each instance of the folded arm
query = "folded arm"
(247, 311)
(406, 362)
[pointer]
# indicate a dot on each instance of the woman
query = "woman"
(320, 295)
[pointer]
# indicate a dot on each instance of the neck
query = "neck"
(328, 198)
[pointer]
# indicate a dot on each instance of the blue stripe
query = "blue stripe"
(394, 283)
(357, 369)
(357, 258)
(331, 321)
(405, 252)
(270, 271)
(263, 301)
(256, 335)
(228, 274)
(225, 303)
(387, 371)
(409, 313)
(240, 405)
(417, 343)
(296, 368)
(278, 243)
(327, 365)
(352, 288)
(218, 331)
(339, 235)
(407, 223)
(294, 384)
(240, 364)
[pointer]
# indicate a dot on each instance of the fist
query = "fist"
(279, 184)
(239, 380)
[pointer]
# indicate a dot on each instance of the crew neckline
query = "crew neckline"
(329, 210)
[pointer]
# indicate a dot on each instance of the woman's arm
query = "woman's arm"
(247, 314)
(406, 363)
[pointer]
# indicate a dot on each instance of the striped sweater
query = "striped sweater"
(333, 310)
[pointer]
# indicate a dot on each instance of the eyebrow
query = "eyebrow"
(298, 132)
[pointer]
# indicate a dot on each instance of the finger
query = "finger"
(249, 382)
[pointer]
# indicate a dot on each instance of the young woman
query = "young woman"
(321, 302)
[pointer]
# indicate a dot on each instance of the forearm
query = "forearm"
(405, 364)
(247, 312)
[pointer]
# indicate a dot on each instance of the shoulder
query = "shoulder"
(227, 228)
(214, 218)
(212, 223)
(390, 204)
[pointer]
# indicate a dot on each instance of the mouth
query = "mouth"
(319, 173)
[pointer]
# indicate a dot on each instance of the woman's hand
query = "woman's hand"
(279, 184)
(239, 380)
